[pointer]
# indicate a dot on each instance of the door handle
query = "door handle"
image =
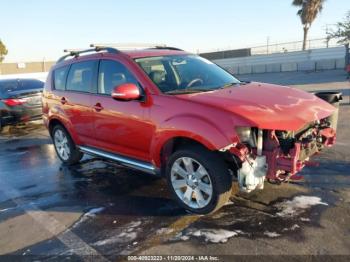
(63, 100)
(98, 107)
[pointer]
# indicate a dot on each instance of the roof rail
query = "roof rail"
(168, 48)
(135, 46)
(77, 52)
(128, 45)
(111, 48)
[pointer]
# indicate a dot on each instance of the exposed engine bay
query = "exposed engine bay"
(278, 155)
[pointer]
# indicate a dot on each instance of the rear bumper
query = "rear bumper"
(13, 117)
(32, 114)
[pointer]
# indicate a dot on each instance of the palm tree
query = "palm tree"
(3, 51)
(308, 11)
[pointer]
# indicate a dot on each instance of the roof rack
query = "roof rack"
(111, 48)
(136, 46)
(77, 52)
(168, 48)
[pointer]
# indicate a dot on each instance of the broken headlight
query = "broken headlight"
(246, 135)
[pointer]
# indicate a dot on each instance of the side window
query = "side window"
(60, 76)
(112, 74)
(81, 76)
(160, 73)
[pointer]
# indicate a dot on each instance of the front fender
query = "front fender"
(195, 128)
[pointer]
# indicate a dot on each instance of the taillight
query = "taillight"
(14, 101)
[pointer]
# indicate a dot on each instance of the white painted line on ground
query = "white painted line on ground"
(68, 238)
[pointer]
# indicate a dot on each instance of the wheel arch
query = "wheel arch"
(56, 121)
(52, 123)
(171, 144)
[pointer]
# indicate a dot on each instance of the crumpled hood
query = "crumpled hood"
(268, 106)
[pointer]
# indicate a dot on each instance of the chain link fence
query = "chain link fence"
(271, 48)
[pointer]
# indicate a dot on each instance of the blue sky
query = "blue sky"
(33, 29)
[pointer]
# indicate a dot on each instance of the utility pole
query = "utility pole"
(328, 38)
(267, 44)
(347, 55)
(44, 64)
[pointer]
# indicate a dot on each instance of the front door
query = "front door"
(120, 126)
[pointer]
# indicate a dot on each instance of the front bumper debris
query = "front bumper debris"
(276, 164)
(252, 174)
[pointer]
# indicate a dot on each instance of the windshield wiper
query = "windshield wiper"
(189, 90)
(227, 85)
(196, 90)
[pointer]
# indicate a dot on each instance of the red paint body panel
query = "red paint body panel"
(268, 106)
(140, 129)
(121, 127)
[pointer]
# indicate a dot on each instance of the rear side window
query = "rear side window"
(81, 76)
(112, 74)
(60, 76)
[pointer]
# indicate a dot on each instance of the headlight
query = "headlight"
(244, 133)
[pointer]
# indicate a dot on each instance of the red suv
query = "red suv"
(170, 113)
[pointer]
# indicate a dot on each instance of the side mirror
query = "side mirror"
(126, 92)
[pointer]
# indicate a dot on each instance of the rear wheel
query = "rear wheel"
(198, 179)
(64, 146)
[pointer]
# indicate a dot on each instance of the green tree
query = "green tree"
(308, 11)
(342, 33)
(3, 51)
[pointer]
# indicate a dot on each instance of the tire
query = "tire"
(64, 146)
(204, 190)
(3, 128)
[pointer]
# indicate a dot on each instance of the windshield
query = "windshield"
(185, 74)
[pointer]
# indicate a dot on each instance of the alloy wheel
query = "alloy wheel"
(191, 182)
(61, 144)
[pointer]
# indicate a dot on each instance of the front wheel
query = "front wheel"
(64, 146)
(198, 179)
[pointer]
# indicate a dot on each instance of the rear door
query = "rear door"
(75, 100)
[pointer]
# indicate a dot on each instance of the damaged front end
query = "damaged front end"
(279, 155)
(288, 152)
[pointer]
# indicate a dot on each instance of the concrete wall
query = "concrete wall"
(310, 60)
(22, 68)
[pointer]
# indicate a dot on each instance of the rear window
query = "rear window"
(30, 84)
(60, 76)
(18, 85)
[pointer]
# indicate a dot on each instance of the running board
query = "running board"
(124, 161)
